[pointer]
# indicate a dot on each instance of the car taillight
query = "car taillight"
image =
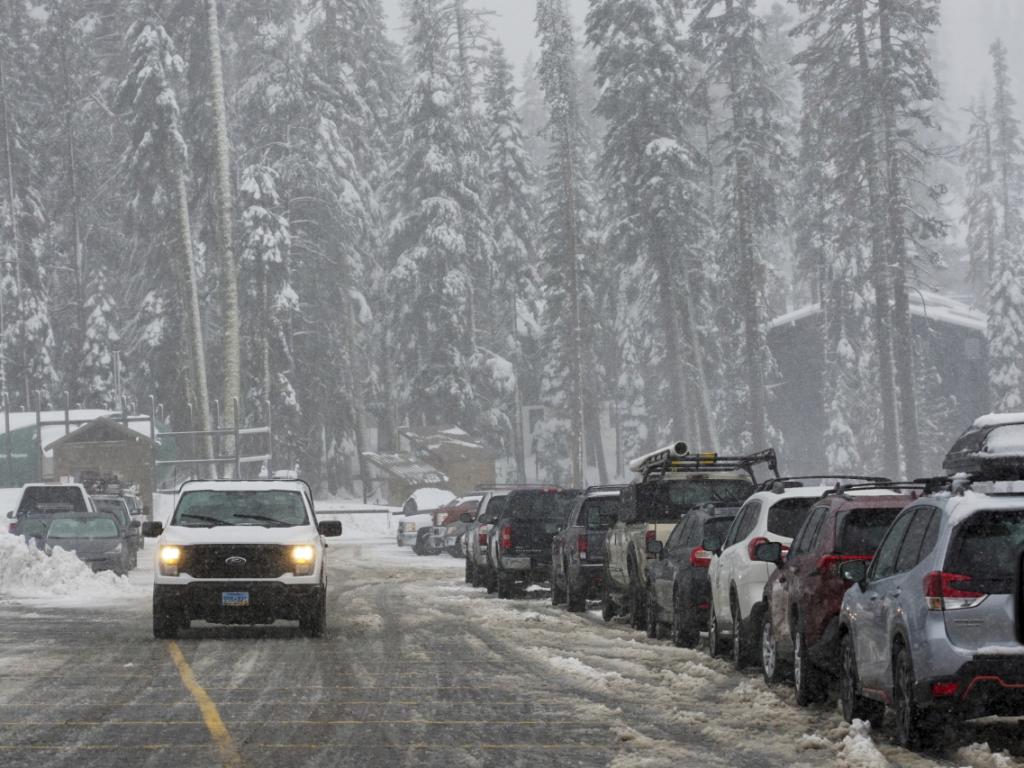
(583, 546)
(828, 565)
(11, 527)
(700, 557)
(506, 538)
(649, 536)
(945, 592)
(942, 690)
(481, 538)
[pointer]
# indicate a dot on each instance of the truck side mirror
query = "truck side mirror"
(465, 517)
(712, 544)
(768, 552)
(151, 530)
(329, 528)
(855, 571)
(655, 548)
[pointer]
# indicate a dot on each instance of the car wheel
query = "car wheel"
(469, 571)
(575, 602)
(913, 724)
(651, 620)
(504, 587)
(637, 609)
(479, 576)
(853, 705)
(557, 592)
(683, 635)
(715, 645)
(771, 667)
(607, 606)
(312, 623)
(809, 683)
(739, 642)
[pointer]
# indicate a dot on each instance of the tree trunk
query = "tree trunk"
(190, 304)
(679, 406)
(903, 345)
(232, 363)
(13, 215)
(879, 266)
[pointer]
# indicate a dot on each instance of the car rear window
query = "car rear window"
(717, 527)
(51, 499)
(665, 501)
(987, 547)
(596, 513)
(494, 509)
(540, 506)
(95, 527)
(861, 530)
(786, 516)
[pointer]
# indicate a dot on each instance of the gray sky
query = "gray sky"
(968, 27)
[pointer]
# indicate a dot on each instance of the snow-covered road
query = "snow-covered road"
(417, 668)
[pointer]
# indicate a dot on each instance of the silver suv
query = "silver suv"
(932, 628)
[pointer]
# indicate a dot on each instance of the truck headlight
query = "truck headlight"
(170, 557)
(303, 558)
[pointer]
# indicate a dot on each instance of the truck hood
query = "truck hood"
(238, 534)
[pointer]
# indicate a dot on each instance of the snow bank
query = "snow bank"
(28, 572)
(981, 756)
(858, 750)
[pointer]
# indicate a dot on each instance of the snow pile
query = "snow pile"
(576, 668)
(858, 750)
(28, 572)
(981, 756)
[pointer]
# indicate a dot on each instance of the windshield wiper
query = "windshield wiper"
(266, 518)
(212, 520)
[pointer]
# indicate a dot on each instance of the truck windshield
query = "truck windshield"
(986, 547)
(667, 500)
(207, 509)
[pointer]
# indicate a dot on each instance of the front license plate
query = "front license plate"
(234, 599)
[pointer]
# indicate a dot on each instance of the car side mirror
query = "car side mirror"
(11, 515)
(151, 530)
(655, 548)
(855, 571)
(712, 544)
(136, 524)
(465, 517)
(329, 528)
(768, 552)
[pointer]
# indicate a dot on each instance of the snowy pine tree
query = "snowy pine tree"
(101, 339)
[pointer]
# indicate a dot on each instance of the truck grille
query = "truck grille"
(210, 561)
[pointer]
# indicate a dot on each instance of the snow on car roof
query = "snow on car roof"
(245, 485)
(963, 506)
(998, 420)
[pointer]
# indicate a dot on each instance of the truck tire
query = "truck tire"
(167, 618)
(557, 591)
(504, 586)
(683, 633)
(637, 608)
(575, 601)
(607, 606)
(716, 647)
(469, 571)
(313, 621)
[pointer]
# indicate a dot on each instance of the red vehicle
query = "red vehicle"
(803, 597)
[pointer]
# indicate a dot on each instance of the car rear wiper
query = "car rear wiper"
(207, 518)
(274, 521)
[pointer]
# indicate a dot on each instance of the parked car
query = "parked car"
(932, 627)
(737, 579)
(100, 541)
(454, 524)
(39, 502)
(678, 591)
(672, 482)
(479, 571)
(429, 540)
(800, 630)
(577, 551)
(520, 541)
(116, 506)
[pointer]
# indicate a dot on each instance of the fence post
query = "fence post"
(238, 449)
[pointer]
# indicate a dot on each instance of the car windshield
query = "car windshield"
(716, 527)
(209, 508)
(596, 513)
(987, 548)
(861, 530)
(787, 515)
(94, 527)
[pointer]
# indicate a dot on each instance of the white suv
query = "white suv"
(737, 579)
(241, 552)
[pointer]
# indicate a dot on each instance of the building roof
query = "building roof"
(100, 430)
(406, 468)
(935, 307)
(447, 444)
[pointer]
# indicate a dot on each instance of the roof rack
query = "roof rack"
(605, 487)
(509, 486)
(662, 466)
(925, 486)
(795, 480)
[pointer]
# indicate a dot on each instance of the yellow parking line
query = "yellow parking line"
(375, 721)
(229, 754)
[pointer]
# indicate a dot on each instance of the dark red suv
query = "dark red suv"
(801, 628)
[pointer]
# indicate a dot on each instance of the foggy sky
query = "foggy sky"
(968, 28)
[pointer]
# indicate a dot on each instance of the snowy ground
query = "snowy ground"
(417, 668)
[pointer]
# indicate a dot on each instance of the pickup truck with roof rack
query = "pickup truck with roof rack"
(672, 481)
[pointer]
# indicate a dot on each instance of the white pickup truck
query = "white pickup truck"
(241, 552)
